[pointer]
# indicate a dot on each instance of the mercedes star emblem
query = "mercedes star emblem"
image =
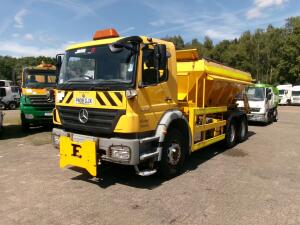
(83, 116)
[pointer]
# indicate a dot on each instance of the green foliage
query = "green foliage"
(271, 55)
(10, 66)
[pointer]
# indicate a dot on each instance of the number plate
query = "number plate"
(48, 114)
(81, 138)
(84, 101)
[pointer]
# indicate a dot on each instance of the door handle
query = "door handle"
(168, 99)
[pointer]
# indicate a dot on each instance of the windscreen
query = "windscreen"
(255, 93)
(99, 66)
(281, 92)
(296, 93)
(39, 79)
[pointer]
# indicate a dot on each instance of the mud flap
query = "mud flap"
(81, 154)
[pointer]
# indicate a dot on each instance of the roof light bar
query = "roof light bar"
(107, 33)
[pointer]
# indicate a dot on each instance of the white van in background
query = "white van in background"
(285, 94)
(6, 83)
(10, 97)
(296, 95)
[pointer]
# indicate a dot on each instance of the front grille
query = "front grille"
(40, 100)
(100, 121)
(254, 109)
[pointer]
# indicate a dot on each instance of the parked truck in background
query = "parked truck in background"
(6, 83)
(9, 95)
(136, 101)
(263, 101)
(285, 94)
(37, 100)
(295, 95)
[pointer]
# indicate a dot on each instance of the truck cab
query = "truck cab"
(263, 101)
(37, 99)
(285, 94)
(295, 95)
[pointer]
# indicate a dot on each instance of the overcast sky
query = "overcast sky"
(46, 27)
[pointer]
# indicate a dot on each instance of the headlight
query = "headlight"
(28, 116)
(120, 152)
(55, 140)
(131, 93)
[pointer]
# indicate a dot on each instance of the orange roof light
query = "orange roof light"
(108, 33)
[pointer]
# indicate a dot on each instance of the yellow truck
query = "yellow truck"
(136, 101)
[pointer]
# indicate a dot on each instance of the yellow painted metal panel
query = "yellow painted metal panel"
(34, 91)
(212, 77)
(187, 55)
(82, 155)
(207, 142)
(209, 126)
(209, 110)
(181, 96)
(94, 99)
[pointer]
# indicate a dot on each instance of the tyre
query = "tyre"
(173, 154)
(269, 117)
(2, 106)
(231, 134)
(12, 105)
(275, 115)
(25, 124)
(242, 129)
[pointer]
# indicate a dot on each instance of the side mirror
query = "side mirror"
(160, 51)
(58, 62)
(269, 96)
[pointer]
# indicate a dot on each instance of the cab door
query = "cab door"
(154, 95)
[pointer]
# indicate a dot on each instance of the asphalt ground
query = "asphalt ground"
(257, 182)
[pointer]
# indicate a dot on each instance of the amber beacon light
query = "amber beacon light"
(107, 33)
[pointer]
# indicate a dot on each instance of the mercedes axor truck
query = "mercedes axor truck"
(137, 101)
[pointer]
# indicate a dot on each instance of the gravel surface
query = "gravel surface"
(257, 182)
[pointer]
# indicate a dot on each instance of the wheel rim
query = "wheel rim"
(232, 133)
(174, 153)
(12, 106)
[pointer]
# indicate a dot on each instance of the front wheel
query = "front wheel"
(25, 124)
(173, 155)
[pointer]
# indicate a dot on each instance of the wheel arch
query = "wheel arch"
(173, 119)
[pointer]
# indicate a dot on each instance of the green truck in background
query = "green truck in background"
(37, 99)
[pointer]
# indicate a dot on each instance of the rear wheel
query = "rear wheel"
(231, 134)
(12, 105)
(173, 155)
(275, 115)
(242, 130)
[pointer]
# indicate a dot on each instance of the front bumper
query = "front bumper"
(296, 101)
(37, 114)
(256, 117)
(139, 150)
